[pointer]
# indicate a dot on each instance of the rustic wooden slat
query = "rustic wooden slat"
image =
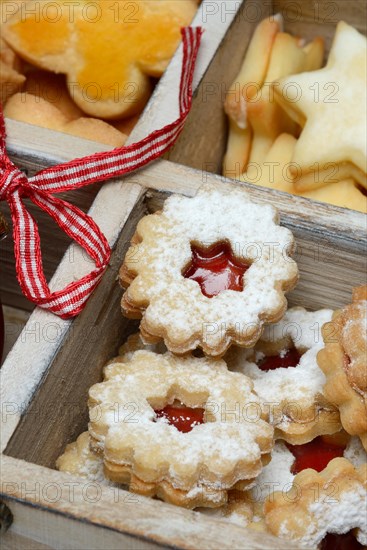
(309, 18)
(14, 322)
(342, 223)
(31, 355)
(94, 337)
(12, 541)
(124, 520)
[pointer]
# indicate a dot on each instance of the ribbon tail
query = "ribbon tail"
(27, 251)
(82, 229)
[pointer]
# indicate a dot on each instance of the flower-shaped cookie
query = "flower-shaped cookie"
(247, 508)
(107, 49)
(332, 501)
(184, 429)
(208, 271)
(344, 362)
(135, 343)
(287, 378)
(79, 459)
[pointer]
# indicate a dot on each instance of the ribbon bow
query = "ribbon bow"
(14, 186)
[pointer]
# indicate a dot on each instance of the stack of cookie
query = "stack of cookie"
(290, 117)
(219, 402)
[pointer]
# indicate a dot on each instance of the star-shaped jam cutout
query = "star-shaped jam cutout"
(216, 269)
(108, 49)
(316, 454)
(335, 541)
(183, 418)
(285, 359)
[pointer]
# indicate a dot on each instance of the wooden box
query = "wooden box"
(46, 377)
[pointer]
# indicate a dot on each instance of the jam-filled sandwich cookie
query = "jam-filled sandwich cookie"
(247, 508)
(320, 506)
(208, 271)
(79, 459)
(344, 362)
(184, 429)
(135, 343)
(287, 378)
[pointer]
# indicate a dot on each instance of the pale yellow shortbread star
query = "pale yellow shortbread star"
(332, 104)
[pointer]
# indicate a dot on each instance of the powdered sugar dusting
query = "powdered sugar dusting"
(301, 383)
(339, 516)
(355, 452)
(275, 476)
(360, 322)
(79, 459)
(302, 326)
(122, 416)
(177, 306)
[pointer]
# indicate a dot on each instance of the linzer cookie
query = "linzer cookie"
(135, 343)
(80, 460)
(287, 378)
(288, 460)
(107, 49)
(247, 508)
(344, 362)
(208, 271)
(319, 505)
(183, 429)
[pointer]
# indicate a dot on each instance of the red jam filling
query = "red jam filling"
(289, 359)
(316, 454)
(340, 542)
(182, 418)
(216, 269)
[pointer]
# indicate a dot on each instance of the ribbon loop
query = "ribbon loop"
(76, 224)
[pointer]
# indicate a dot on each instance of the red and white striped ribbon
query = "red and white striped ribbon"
(80, 227)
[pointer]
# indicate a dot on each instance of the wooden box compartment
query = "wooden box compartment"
(203, 142)
(45, 409)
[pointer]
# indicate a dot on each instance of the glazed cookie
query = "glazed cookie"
(184, 429)
(142, 35)
(287, 378)
(344, 362)
(208, 271)
(333, 501)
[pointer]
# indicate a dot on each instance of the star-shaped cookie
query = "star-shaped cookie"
(331, 103)
(108, 49)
